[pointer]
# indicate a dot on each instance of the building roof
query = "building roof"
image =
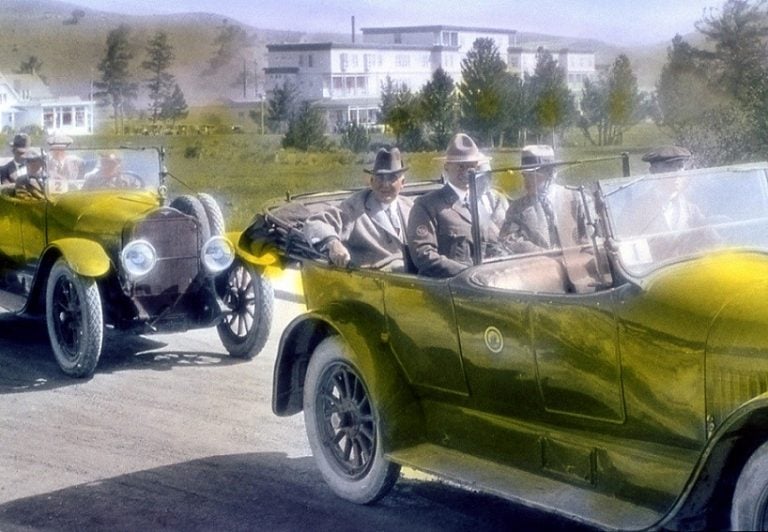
(440, 27)
(315, 46)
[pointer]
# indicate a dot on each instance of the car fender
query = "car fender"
(728, 449)
(400, 412)
(85, 257)
(260, 254)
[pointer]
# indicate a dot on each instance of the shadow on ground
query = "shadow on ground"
(259, 491)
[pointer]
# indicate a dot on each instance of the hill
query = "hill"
(70, 47)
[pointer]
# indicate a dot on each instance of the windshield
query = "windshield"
(70, 170)
(660, 218)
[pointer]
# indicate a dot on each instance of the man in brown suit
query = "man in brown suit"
(440, 226)
(367, 229)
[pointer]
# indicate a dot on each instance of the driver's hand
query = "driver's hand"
(338, 253)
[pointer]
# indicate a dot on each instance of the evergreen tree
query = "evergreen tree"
(482, 90)
(281, 106)
(161, 82)
(32, 65)
(229, 43)
(551, 102)
(306, 129)
(174, 106)
(115, 87)
(439, 105)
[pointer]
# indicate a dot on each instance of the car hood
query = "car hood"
(100, 212)
(685, 299)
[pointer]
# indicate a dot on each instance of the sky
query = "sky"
(620, 22)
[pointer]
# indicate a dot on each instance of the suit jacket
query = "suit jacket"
(529, 227)
(364, 228)
(440, 233)
(8, 172)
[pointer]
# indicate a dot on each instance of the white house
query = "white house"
(26, 101)
(346, 79)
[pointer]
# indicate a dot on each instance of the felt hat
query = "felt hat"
(388, 162)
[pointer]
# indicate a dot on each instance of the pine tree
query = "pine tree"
(161, 82)
(115, 87)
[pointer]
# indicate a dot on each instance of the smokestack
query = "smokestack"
(353, 29)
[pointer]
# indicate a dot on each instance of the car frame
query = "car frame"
(583, 381)
(123, 255)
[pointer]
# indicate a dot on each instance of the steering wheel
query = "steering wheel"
(131, 180)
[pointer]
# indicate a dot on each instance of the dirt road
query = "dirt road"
(171, 433)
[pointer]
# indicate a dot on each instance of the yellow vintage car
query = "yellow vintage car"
(93, 240)
(619, 379)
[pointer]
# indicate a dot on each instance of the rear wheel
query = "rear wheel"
(74, 318)
(249, 299)
(343, 427)
(192, 206)
(749, 510)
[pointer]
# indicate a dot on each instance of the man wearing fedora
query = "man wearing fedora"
(15, 167)
(440, 225)
(367, 229)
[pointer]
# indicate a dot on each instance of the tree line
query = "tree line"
(712, 99)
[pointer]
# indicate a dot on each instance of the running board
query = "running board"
(534, 491)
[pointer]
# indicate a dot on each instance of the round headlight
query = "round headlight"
(217, 254)
(138, 258)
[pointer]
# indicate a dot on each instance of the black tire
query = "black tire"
(343, 427)
(749, 510)
(75, 321)
(213, 211)
(250, 300)
(191, 206)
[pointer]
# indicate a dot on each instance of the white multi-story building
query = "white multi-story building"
(346, 79)
(25, 101)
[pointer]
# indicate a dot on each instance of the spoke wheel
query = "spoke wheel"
(249, 300)
(343, 426)
(74, 320)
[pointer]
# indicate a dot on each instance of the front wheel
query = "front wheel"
(343, 427)
(250, 300)
(74, 318)
(749, 510)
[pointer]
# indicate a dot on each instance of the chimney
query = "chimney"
(353, 29)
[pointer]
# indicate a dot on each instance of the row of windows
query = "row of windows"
(371, 61)
(64, 116)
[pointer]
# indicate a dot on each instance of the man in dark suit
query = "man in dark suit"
(440, 226)
(366, 229)
(15, 167)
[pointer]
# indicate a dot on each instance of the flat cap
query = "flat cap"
(32, 154)
(667, 154)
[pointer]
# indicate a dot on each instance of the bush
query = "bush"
(355, 138)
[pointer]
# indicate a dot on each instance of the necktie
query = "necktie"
(394, 219)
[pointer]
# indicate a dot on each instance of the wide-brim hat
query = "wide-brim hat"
(387, 162)
(462, 149)
(32, 154)
(667, 154)
(20, 142)
(58, 142)
(536, 155)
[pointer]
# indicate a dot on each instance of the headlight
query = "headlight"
(217, 254)
(138, 258)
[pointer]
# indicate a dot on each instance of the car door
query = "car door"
(529, 345)
(22, 226)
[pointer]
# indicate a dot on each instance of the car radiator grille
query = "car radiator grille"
(175, 239)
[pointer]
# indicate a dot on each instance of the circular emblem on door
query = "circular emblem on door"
(494, 341)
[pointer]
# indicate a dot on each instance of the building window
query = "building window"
(398, 38)
(361, 83)
(79, 116)
(301, 60)
(343, 60)
(66, 117)
(338, 83)
(310, 61)
(48, 119)
(353, 58)
(402, 60)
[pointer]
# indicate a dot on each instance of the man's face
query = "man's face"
(34, 166)
(458, 173)
(537, 181)
(386, 187)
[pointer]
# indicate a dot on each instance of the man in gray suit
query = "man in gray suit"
(367, 229)
(440, 226)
